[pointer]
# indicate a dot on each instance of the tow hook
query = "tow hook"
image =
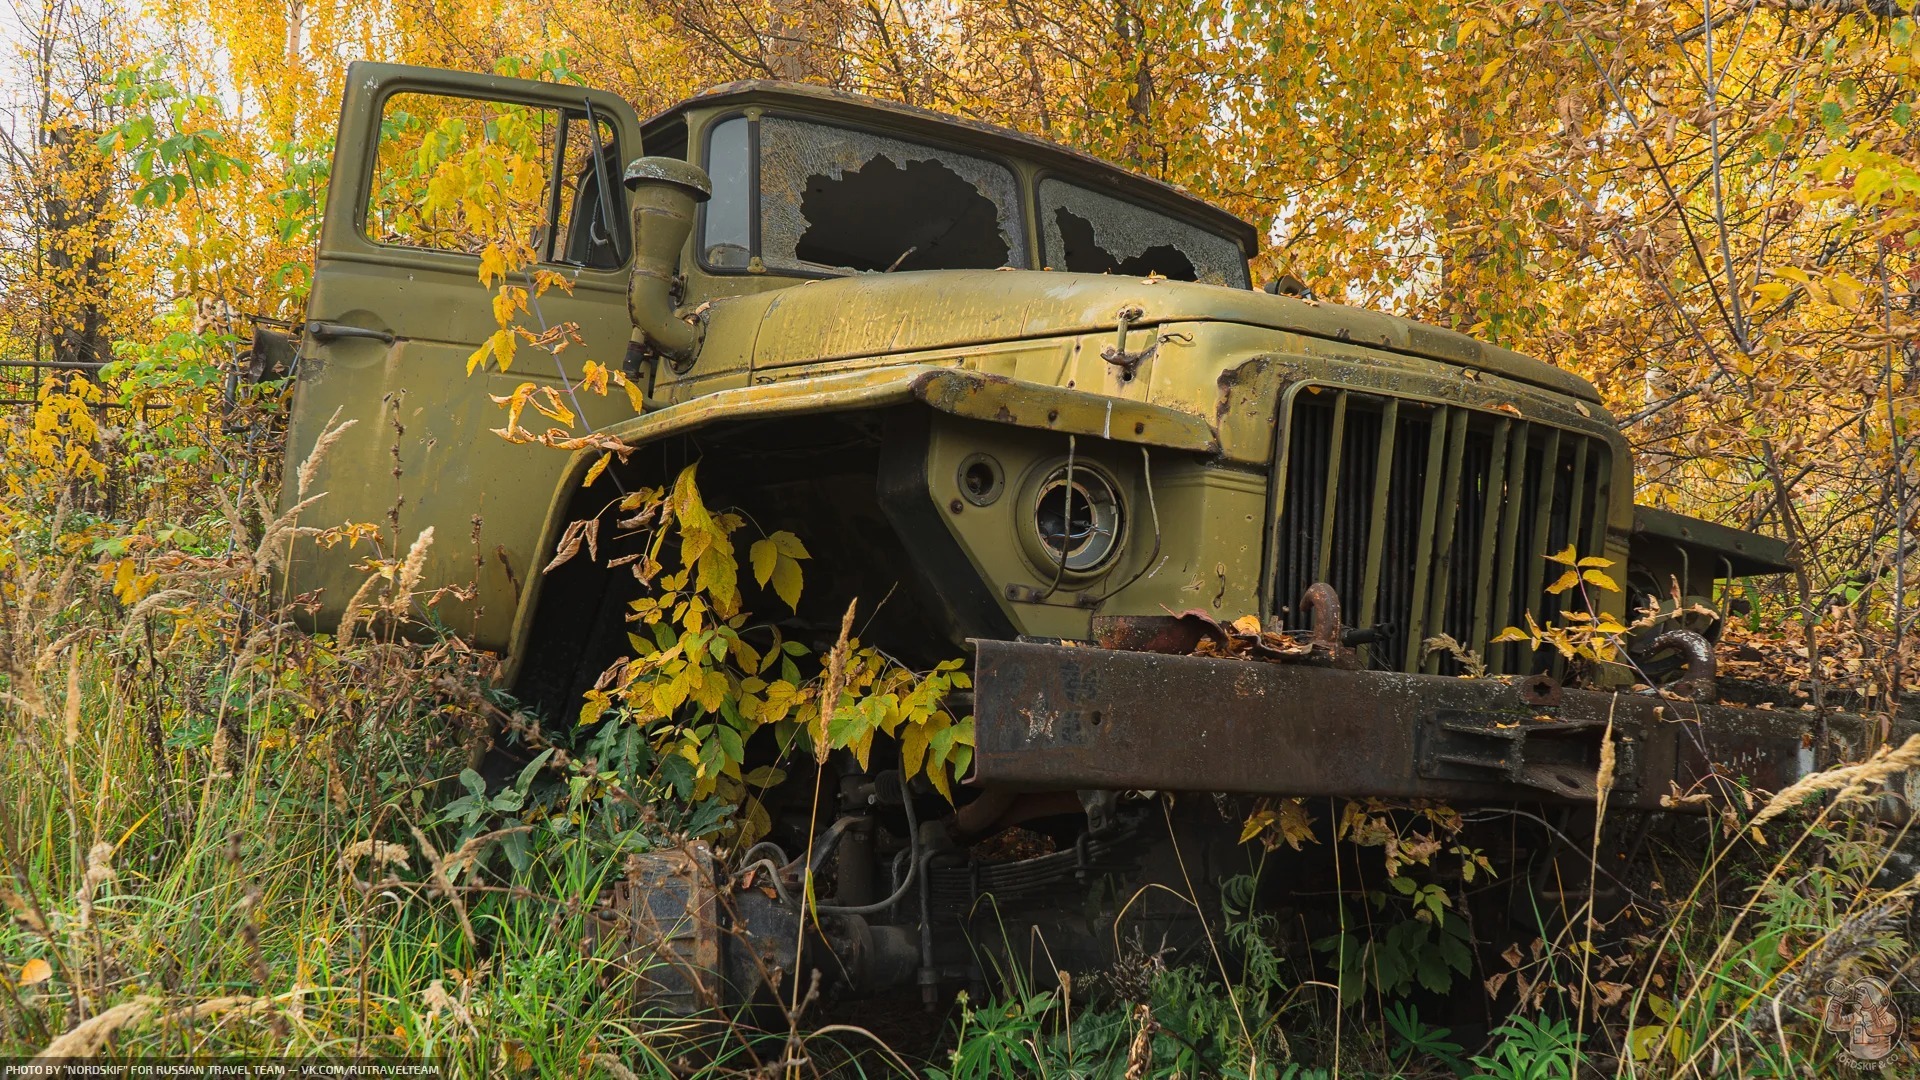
(1322, 604)
(1700, 682)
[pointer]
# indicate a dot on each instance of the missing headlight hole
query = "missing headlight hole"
(981, 479)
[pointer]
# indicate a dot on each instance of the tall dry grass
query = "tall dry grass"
(220, 835)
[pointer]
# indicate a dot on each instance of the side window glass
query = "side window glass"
(728, 239)
(456, 174)
(583, 233)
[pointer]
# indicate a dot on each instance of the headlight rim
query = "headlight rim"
(1094, 482)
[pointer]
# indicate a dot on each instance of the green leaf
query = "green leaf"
(730, 743)
(534, 766)
(765, 776)
(472, 782)
(515, 846)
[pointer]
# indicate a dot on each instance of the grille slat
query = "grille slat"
(1383, 464)
(1448, 537)
(1493, 498)
(1546, 492)
(1329, 513)
(1422, 546)
(1429, 519)
(1505, 566)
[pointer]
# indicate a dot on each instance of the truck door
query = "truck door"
(430, 168)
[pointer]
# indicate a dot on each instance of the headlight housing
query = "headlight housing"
(1079, 519)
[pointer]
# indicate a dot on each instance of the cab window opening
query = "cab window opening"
(454, 174)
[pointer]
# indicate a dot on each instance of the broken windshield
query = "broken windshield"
(855, 200)
(1090, 233)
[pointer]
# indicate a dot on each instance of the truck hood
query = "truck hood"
(885, 314)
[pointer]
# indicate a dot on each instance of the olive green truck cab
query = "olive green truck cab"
(1029, 409)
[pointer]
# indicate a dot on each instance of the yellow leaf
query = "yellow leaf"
(503, 343)
(493, 265)
(514, 402)
(597, 702)
(1511, 633)
(35, 971)
(1296, 825)
(548, 403)
(786, 581)
(938, 778)
(1257, 823)
(1567, 581)
(789, 545)
(505, 303)
(1565, 558)
(1845, 289)
(913, 750)
(479, 355)
(599, 467)
(1600, 580)
(763, 555)
(1595, 560)
(634, 397)
(594, 377)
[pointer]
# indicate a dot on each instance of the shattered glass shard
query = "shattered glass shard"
(1091, 233)
(838, 197)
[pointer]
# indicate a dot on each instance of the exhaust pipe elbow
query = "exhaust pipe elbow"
(666, 192)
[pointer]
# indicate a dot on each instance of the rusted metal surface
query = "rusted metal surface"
(1699, 682)
(670, 905)
(1151, 633)
(1322, 606)
(1744, 552)
(1539, 689)
(1055, 717)
(996, 811)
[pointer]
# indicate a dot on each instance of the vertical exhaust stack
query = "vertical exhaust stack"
(666, 192)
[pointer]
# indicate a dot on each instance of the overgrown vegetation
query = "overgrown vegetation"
(221, 835)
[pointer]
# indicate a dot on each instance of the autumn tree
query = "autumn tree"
(63, 302)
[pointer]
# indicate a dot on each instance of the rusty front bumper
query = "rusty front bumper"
(1052, 717)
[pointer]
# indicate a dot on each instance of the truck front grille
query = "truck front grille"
(1431, 519)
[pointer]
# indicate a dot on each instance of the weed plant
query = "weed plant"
(220, 835)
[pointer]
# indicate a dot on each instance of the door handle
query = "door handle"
(323, 330)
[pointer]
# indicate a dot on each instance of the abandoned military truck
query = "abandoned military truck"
(1029, 409)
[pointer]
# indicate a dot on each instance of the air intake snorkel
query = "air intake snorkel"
(665, 193)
